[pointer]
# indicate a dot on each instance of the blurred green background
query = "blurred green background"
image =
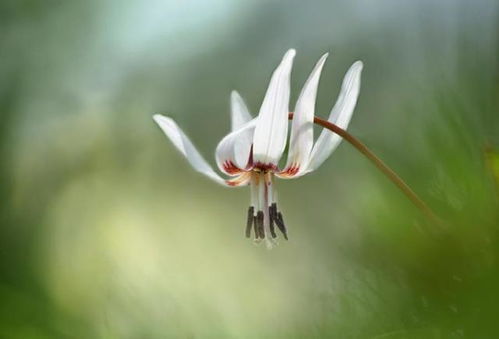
(106, 232)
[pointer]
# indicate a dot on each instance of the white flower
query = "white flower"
(250, 153)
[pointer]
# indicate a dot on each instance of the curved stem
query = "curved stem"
(415, 199)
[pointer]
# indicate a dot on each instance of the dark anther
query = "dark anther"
(249, 222)
(280, 224)
(272, 230)
(273, 210)
(255, 226)
(259, 221)
(276, 217)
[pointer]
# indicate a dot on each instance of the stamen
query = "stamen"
(273, 210)
(272, 229)
(255, 226)
(272, 213)
(279, 220)
(254, 205)
(249, 221)
(259, 221)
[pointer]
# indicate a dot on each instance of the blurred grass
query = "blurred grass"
(105, 232)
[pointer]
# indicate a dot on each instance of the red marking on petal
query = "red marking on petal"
(230, 168)
(291, 170)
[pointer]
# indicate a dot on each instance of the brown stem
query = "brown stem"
(380, 164)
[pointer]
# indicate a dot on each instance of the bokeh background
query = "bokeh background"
(106, 232)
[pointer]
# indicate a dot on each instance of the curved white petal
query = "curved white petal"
(232, 158)
(271, 131)
(239, 117)
(242, 179)
(340, 115)
(185, 146)
(302, 127)
(239, 112)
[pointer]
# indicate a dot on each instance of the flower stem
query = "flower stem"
(362, 148)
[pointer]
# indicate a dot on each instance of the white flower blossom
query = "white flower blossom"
(250, 153)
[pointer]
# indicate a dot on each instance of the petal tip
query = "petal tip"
(234, 95)
(158, 117)
(321, 61)
(290, 54)
(358, 65)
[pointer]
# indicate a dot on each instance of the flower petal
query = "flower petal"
(271, 131)
(340, 115)
(302, 128)
(239, 117)
(242, 179)
(232, 158)
(240, 114)
(185, 146)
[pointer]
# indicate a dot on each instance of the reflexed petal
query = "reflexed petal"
(239, 112)
(269, 139)
(231, 157)
(340, 115)
(239, 117)
(302, 128)
(185, 146)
